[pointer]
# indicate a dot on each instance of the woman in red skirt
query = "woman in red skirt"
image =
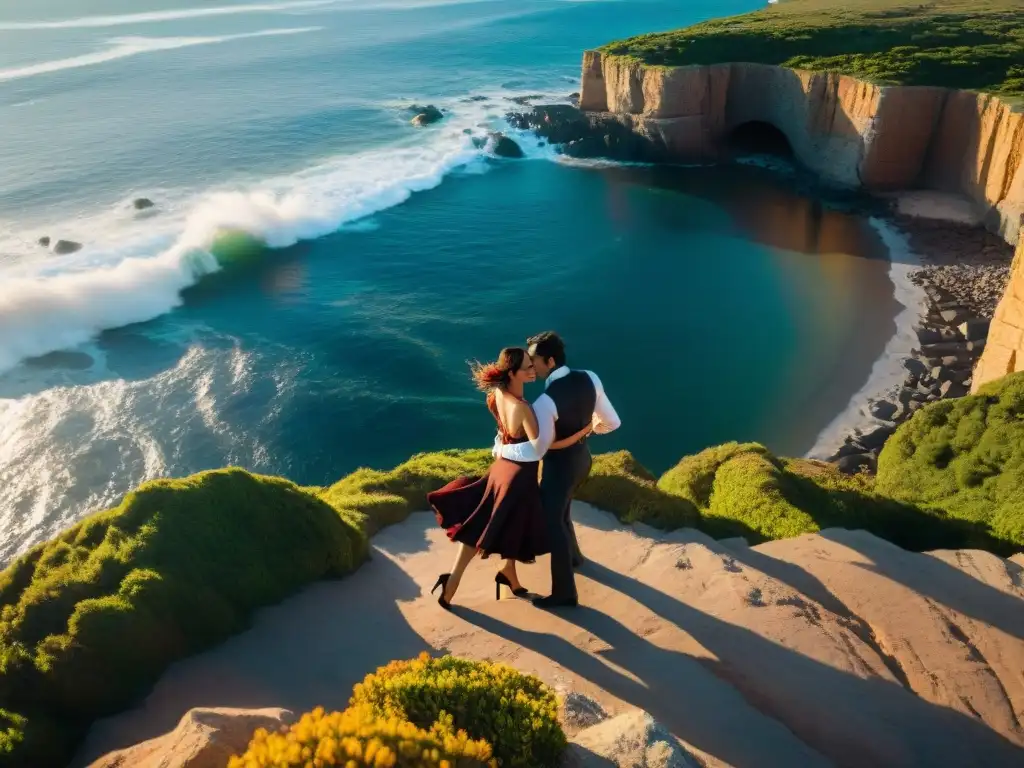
(499, 513)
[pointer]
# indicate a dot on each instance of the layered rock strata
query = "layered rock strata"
(849, 131)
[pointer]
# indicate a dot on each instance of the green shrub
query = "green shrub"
(620, 485)
(965, 458)
(515, 713)
(356, 738)
(91, 618)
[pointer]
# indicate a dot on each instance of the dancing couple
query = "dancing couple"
(509, 512)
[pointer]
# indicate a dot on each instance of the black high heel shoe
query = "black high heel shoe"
(442, 582)
(501, 579)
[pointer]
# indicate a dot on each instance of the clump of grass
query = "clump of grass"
(964, 457)
(969, 44)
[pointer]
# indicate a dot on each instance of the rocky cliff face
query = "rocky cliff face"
(849, 132)
(1004, 348)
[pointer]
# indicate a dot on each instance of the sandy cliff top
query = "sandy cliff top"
(833, 648)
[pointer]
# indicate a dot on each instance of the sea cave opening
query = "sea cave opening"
(757, 137)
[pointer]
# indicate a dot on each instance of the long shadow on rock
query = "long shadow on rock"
(673, 687)
(306, 652)
(852, 720)
(942, 582)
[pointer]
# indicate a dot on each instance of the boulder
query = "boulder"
(944, 348)
(952, 389)
(503, 146)
(976, 347)
(875, 438)
(940, 374)
(953, 316)
(915, 367)
(204, 738)
(574, 99)
(883, 410)
(928, 335)
(44, 241)
(581, 711)
(632, 740)
(858, 462)
(975, 330)
(142, 203)
(426, 115)
(66, 246)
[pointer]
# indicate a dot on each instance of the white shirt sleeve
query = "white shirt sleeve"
(605, 418)
(534, 450)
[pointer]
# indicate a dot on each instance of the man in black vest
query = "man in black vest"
(571, 401)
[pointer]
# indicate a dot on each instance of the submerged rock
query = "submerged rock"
(142, 203)
(44, 241)
(426, 115)
(66, 246)
(525, 100)
(503, 146)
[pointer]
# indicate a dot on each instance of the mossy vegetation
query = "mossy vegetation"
(91, 618)
(964, 457)
(970, 44)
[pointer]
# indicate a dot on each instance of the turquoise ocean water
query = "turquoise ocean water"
(716, 303)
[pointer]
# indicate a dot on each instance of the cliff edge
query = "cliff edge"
(850, 132)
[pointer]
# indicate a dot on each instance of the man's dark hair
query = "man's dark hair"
(548, 344)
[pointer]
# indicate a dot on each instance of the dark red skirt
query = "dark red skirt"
(499, 513)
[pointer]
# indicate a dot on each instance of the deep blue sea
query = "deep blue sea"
(716, 303)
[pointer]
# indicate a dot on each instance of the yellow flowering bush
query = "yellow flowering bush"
(515, 713)
(356, 738)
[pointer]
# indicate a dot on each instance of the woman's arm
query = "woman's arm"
(571, 439)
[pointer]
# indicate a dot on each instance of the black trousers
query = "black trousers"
(563, 473)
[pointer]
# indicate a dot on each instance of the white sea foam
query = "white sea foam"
(887, 373)
(123, 47)
(86, 22)
(133, 270)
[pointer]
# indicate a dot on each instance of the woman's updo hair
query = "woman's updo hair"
(498, 374)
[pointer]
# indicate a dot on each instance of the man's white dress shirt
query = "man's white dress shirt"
(605, 421)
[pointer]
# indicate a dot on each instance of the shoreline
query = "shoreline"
(887, 372)
(948, 272)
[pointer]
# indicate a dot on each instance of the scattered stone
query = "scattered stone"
(503, 146)
(426, 115)
(883, 410)
(632, 740)
(62, 247)
(876, 437)
(859, 462)
(952, 389)
(142, 203)
(579, 711)
(44, 241)
(479, 142)
(975, 330)
(915, 366)
(953, 316)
